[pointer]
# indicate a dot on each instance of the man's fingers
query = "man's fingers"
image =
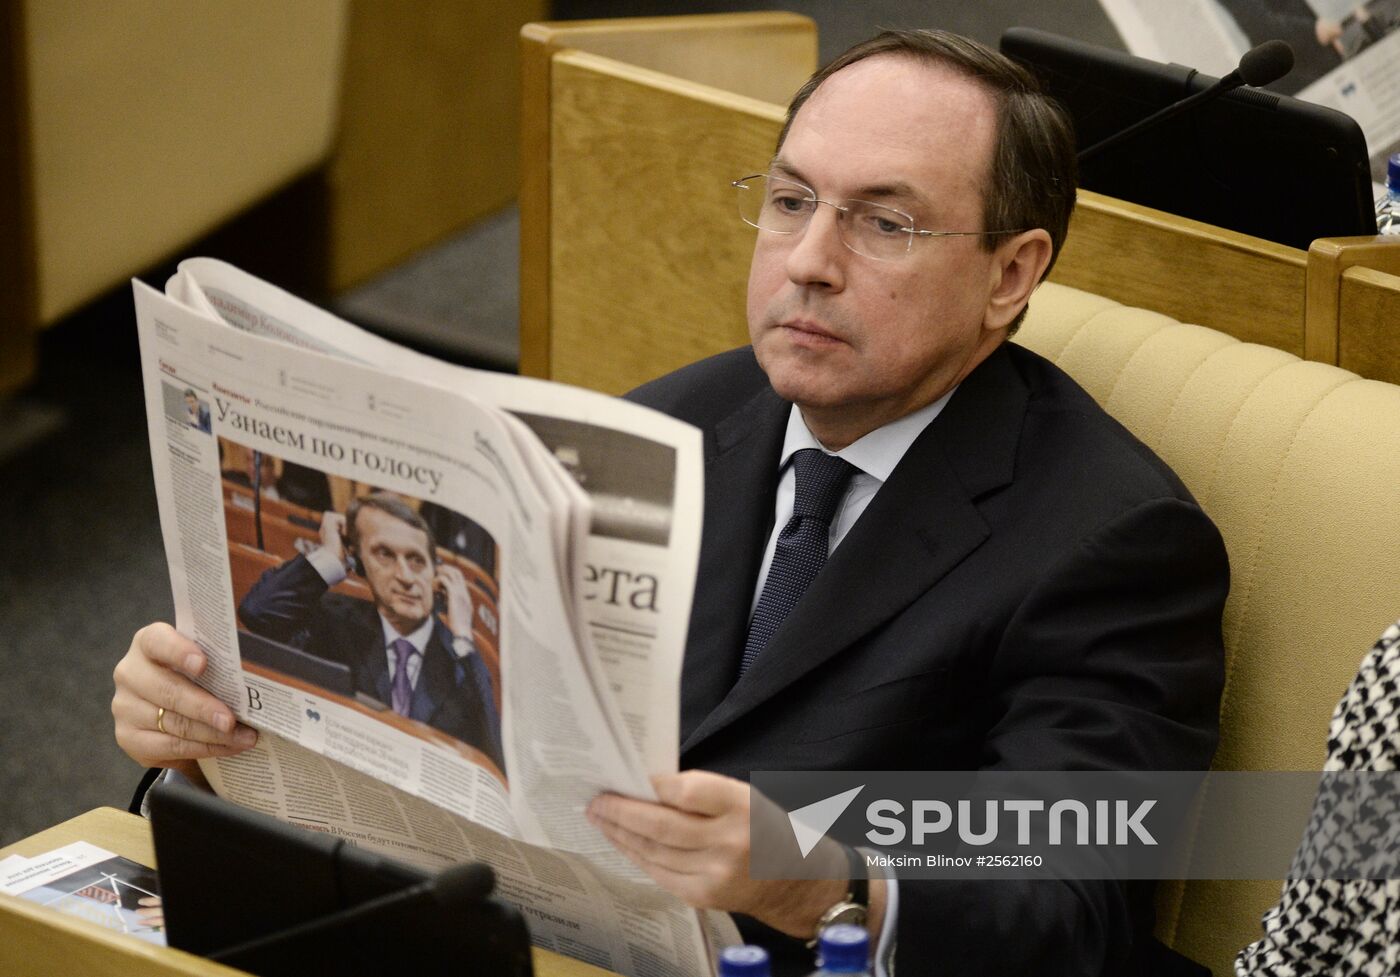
(644, 819)
(162, 687)
(162, 644)
(135, 714)
(649, 847)
(702, 792)
(182, 727)
(692, 881)
(156, 670)
(149, 743)
(450, 576)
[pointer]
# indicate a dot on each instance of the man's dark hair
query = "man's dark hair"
(1033, 173)
(391, 505)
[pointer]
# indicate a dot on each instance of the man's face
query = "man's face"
(853, 341)
(191, 402)
(398, 568)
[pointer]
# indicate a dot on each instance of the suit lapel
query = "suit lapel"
(740, 483)
(371, 670)
(437, 679)
(921, 524)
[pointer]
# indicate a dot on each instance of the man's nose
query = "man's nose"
(818, 254)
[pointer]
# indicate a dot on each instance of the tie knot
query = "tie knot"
(821, 481)
(404, 650)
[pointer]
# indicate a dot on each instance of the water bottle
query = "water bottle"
(743, 960)
(843, 949)
(1388, 210)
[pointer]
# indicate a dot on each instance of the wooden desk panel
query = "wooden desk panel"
(38, 942)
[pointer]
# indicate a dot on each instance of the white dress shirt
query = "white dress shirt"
(874, 456)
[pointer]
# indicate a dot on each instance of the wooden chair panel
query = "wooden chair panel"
(1243, 286)
(1368, 335)
(246, 564)
(762, 56)
(285, 539)
(238, 521)
(641, 289)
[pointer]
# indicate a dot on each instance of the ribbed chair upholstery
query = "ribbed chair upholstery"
(1298, 463)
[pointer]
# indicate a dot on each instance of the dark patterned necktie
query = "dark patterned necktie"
(402, 691)
(802, 544)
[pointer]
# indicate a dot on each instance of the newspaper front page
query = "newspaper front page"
(566, 529)
(1346, 52)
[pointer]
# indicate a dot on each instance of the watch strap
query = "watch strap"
(856, 900)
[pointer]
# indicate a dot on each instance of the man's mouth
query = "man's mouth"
(809, 334)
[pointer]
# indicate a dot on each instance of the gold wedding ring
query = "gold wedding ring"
(160, 720)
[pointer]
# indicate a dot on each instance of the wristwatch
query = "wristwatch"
(855, 907)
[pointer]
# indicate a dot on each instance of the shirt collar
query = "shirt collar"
(878, 452)
(418, 638)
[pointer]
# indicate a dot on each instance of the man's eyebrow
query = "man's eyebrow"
(782, 168)
(892, 188)
(897, 189)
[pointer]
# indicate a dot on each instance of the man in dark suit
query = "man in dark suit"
(398, 651)
(197, 413)
(1011, 580)
(1008, 579)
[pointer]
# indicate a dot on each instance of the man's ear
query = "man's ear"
(1017, 266)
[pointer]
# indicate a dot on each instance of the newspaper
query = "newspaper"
(1346, 52)
(552, 611)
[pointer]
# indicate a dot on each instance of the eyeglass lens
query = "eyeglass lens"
(783, 207)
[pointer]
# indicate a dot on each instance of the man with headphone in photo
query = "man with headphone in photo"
(398, 649)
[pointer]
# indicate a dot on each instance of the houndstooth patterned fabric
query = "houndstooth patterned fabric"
(1335, 927)
(802, 544)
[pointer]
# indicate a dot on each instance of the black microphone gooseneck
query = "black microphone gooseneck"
(1260, 65)
(453, 889)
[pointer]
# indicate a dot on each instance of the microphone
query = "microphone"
(1263, 64)
(1260, 65)
(453, 889)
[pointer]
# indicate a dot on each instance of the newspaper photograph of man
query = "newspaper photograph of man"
(185, 407)
(359, 603)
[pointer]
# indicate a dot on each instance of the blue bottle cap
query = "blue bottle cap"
(845, 949)
(1392, 173)
(743, 961)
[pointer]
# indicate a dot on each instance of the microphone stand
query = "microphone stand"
(1227, 84)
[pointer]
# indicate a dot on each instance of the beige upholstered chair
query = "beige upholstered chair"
(1298, 463)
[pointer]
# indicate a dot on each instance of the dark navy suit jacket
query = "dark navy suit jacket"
(1031, 589)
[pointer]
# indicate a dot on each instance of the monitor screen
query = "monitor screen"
(231, 878)
(331, 676)
(1251, 161)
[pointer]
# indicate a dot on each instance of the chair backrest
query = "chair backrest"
(1298, 463)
